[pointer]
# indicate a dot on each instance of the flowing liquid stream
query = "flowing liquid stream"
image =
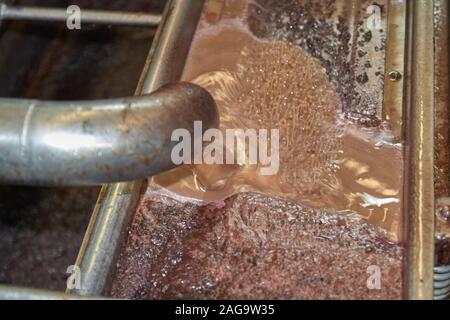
(326, 161)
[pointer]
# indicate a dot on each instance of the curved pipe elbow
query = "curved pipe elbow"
(98, 142)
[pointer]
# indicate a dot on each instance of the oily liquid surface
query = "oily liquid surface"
(326, 162)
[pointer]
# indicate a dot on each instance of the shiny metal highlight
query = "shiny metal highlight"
(97, 142)
(87, 16)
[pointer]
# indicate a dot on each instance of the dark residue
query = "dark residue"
(312, 26)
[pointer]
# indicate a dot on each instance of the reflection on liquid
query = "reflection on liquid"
(326, 161)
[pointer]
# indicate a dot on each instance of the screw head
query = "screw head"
(394, 75)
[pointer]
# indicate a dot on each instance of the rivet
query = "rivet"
(394, 76)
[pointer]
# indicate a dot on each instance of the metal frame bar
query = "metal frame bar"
(87, 16)
(77, 143)
(419, 193)
(18, 293)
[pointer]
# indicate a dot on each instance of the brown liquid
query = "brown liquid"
(326, 162)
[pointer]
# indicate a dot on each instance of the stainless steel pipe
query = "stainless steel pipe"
(97, 142)
(87, 16)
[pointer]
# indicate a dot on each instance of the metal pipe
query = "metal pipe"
(420, 208)
(97, 142)
(87, 16)
(17, 293)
